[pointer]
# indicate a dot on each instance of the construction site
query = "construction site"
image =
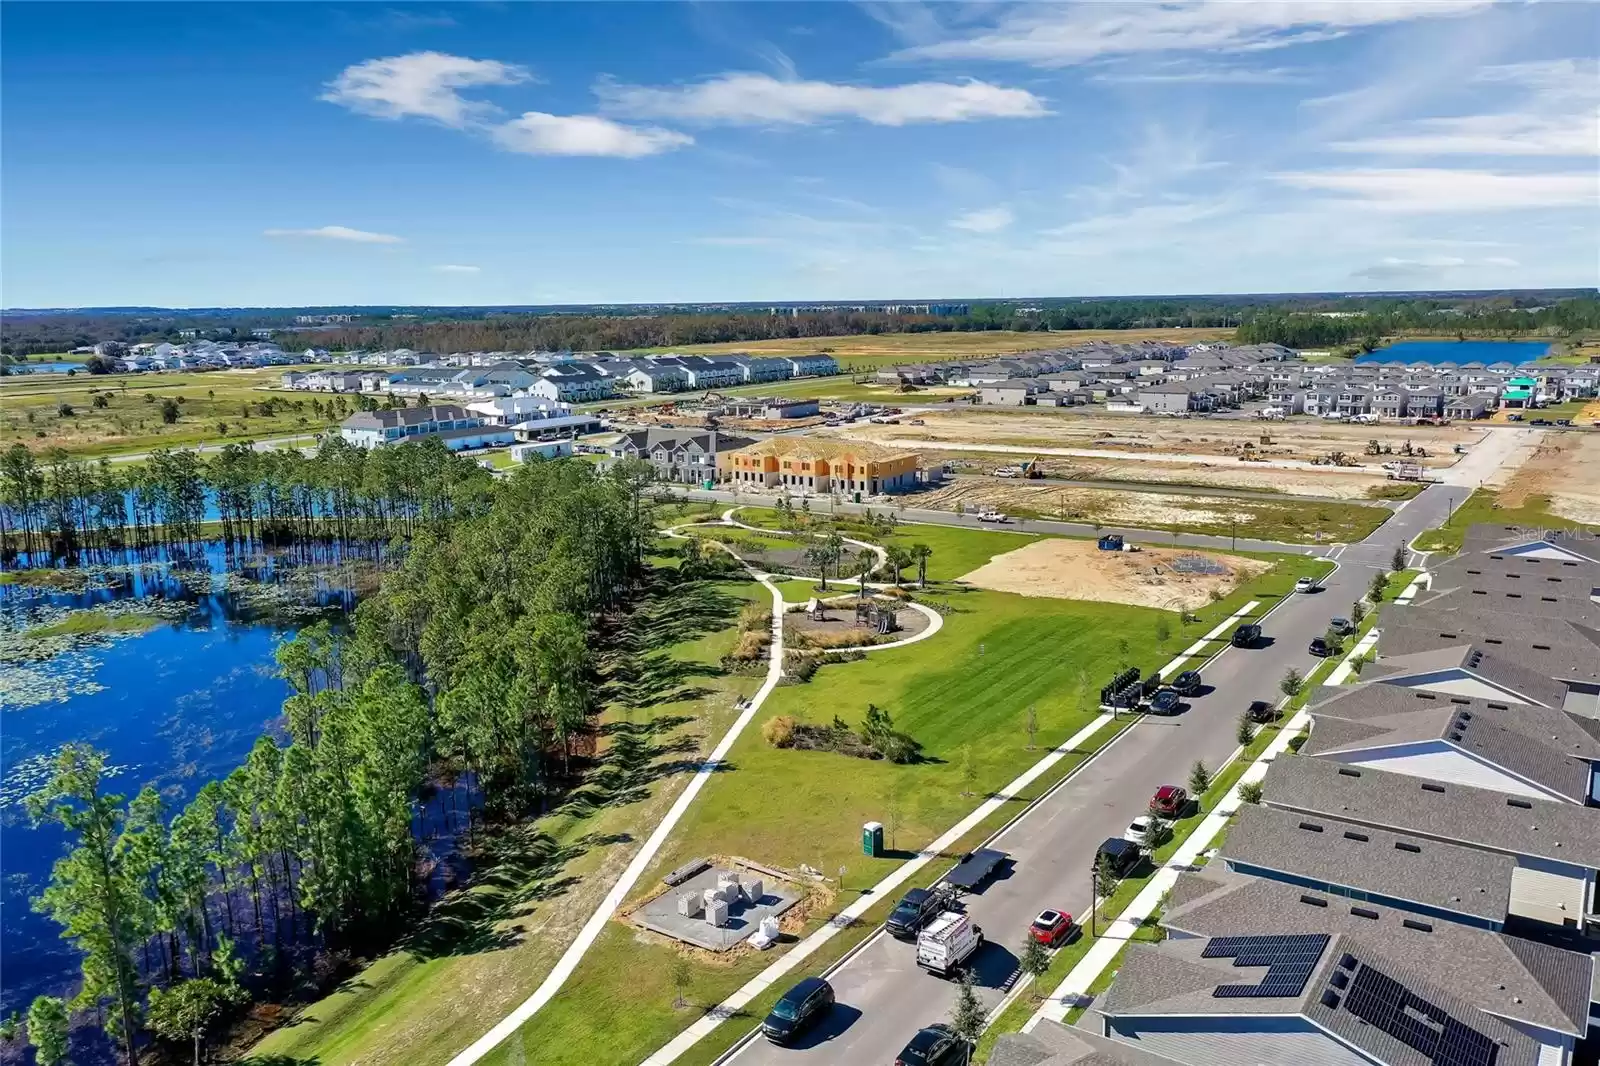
(1169, 579)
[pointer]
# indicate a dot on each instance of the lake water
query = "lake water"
(1459, 352)
(173, 708)
(47, 368)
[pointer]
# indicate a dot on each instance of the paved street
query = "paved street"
(883, 997)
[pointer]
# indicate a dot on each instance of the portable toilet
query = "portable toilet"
(872, 839)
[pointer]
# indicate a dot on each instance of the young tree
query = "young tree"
(969, 770)
(1358, 611)
(921, 553)
(967, 1017)
(1034, 961)
(1163, 631)
(1033, 726)
(169, 410)
(1250, 792)
(92, 894)
(1246, 731)
(899, 559)
(185, 1010)
(1380, 583)
(1105, 876)
(1398, 560)
(47, 1030)
(678, 971)
(1292, 682)
(1199, 779)
(1154, 833)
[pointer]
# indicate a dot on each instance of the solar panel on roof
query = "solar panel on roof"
(1381, 1001)
(1289, 961)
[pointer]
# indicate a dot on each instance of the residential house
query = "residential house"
(679, 455)
(448, 423)
(823, 465)
(655, 379)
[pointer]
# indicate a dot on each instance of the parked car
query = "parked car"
(1187, 683)
(1563, 421)
(944, 947)
(1539, 422)
(800, 1008)
(1261, 711)
(937, 1045)
(916, 909)
(1165, 702)
(1170, 801)
(1342, 626)
(1513, 418)
(1137, 828)
(1051, 928)
(918, 422)
(992, 516)
(1247, 635)
(1320, 648)
(1306, 584)
(1123, 855)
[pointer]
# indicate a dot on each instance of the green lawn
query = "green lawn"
(488, 945)
(1483, 507)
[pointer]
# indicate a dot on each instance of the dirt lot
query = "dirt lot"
(1077, 570)
(1565, 467)
(1139, 435)
(1337, 484)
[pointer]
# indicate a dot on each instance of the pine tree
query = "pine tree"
(47, 1031)
(967, 1018)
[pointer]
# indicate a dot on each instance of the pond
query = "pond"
(47, 368)
(174, 706)
(1459, 352)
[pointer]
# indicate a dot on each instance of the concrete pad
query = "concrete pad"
(660, 915)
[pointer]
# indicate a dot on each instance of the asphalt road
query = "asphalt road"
(883, 998)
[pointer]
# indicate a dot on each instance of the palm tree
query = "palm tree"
(865, 561)
(921, 553)
(899, 559)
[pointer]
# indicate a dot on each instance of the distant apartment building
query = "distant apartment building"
(447, 422)
(804, 464)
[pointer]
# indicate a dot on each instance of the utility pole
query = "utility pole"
(1094, 889)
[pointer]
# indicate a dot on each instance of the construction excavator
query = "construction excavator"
(1029, 468)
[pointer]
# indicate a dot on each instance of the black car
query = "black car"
(798, 1010)
(1123, 854)
(1166, 701)
(1320, 648)
(1261, 711)
(916, 909)
(937, 1045)
(1187, 683)
(1247, 635)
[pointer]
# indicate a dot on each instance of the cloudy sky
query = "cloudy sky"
(297, 153)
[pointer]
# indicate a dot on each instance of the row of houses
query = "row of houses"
(794, 464)
(199, 355)
(567, 381)
(1418, 883)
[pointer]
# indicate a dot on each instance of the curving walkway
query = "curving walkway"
(935, 623)
(635, 869)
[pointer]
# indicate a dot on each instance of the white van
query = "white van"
(947, 942)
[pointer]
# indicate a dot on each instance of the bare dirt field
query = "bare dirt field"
(1140, 436)
(889, 348)
(1564, 467)
(1334, 483)
(1077, 570)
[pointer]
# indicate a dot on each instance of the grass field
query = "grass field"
(487, 946)
(964, 695)
(1483, 506)
(887, 349)
(212, 409)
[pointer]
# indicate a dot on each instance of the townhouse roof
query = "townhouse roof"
(1478, 660)
(647, 440)
(405, 416)
(1557, 647)
(1480, 818)
(1512, 978)
(1176, 979)
(1497, 540)
(1053, 1044)
(1504, 586)
(790, 447)
(1398, 865)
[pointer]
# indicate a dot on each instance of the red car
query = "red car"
(1051, 927)
(1170, 801)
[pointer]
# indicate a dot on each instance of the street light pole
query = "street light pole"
(1094, 888)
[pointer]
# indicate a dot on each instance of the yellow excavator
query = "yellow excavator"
(1029, 468)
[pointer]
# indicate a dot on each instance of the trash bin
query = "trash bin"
(858, 497)
(708, 484)
(872, 839)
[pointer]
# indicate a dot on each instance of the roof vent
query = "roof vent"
(1461, 700)
(1429, 786)
(1345, 771)
(1329, 1000)
(1340, 979)
(1541, 647)
(1347, 961)
(1364, 912)
(1311, 826)
(1425, 695)
(1466, 716)
(1498, 706)
(1512, 801)
(1314, 901)
(1493, 640)
(1548, 599)
(1448, 636)
(1362, 837)
(1513, 595)
(1402, 845)
(1412, 923)
(1455, 735)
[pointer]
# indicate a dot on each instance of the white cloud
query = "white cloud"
(537, 133)
(1186, 73)
(1556, 118)
(456, 268)
(1050, 36)
(759, 98)
(1431, 189)
(1393, 267)
(985, 220)
(422, 84)
(734, 242)
(338, 233)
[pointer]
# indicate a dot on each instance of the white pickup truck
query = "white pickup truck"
(947, 942)
(992, 516)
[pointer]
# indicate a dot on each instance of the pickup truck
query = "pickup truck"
(992, 516)
(947, 943)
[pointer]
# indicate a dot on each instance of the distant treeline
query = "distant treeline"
(1303, 330)
(476, 329)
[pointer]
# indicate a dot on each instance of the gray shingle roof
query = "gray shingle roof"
(1507, 976)
(1478, 660)
(1474, 817)
(1554, 646)
(1447, 876)
(1174, 980)
(1054, 1044)
(1542, 745)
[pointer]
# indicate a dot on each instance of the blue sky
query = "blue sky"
(207, 154)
